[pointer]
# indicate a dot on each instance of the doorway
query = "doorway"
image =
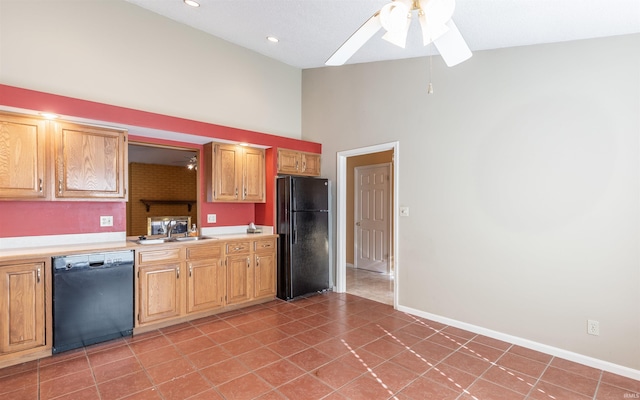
(345, 221)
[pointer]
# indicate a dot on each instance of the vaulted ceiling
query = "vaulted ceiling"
(311, 30)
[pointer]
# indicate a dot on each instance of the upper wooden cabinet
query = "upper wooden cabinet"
(298, 163)
(91, 161)
(22, 157)
(47, 160)
(234, 173)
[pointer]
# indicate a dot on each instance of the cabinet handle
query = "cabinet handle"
(60, 186)
(248, 262)
(190, 270)
(178, 273)
(245, 194)
(257, 261)
(304, 166)
(38, 275)
(40, 185)
(296, 165)
(236, 193)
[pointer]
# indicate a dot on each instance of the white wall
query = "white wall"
(522, 176)
(117, 53)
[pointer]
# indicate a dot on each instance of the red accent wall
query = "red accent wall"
(33, 218)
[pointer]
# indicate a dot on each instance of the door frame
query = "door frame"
(356, 208)
(341, 215)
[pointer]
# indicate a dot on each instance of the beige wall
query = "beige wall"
(159, 182)
(117, 53)
(352, 163)
(522, 175)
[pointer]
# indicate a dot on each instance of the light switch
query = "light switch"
(404, 211)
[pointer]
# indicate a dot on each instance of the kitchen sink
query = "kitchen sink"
(152, 241)
(174, 239)
(190, 238)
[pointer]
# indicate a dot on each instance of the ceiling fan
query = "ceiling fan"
(395, 17)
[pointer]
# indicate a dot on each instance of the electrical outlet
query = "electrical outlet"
(106, 220)
(211, 218)
(593, 327)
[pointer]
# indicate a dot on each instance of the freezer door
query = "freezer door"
(309, 194)
(309, 252)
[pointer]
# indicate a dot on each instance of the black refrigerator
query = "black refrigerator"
(303, 245)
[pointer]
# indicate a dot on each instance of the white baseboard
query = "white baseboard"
(554, 351)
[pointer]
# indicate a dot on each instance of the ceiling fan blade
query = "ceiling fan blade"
(452, 46)
(357, 40)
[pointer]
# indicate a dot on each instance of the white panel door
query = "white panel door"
(372, 218)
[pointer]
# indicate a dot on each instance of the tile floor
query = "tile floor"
(370, 285)
(329, 346)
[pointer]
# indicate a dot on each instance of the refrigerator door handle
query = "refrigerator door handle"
(295, 231)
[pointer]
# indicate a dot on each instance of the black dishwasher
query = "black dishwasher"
(92, 298)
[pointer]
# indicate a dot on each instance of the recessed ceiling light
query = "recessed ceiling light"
(273, 39)
(192, 3)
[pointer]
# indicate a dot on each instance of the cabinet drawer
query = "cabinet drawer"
(264, 244)
(238, 247)
(198, 252)
(149, 256)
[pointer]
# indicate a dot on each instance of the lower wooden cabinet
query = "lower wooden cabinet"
(179, 282)
(265, 268)
(205, 280)
(159, 292)
(23, 312)
(22, 307)
(251, 270)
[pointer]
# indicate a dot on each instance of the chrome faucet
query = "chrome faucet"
(171, 228)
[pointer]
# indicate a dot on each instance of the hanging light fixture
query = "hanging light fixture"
(193, 163)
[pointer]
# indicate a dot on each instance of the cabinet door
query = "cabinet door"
(253, 175)
(91, 162)
(22, 307)
(288, 161)
(227, 172)
(265, 274)
(22, 157)
(311, 164)
(238, 278)
(205, 285)
(159, 292)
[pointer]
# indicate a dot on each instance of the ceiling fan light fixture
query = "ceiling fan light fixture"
(395, 16)
(431, 29)
(193, 163)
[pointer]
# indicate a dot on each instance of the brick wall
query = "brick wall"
(159, 182)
